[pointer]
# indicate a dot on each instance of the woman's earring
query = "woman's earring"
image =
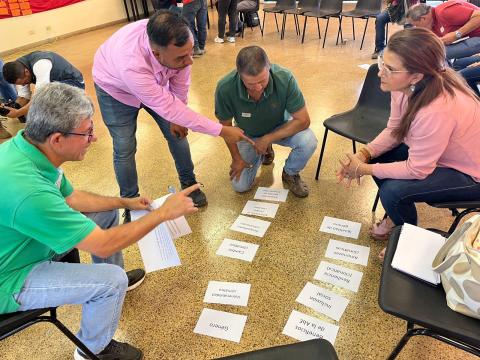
(412, 88)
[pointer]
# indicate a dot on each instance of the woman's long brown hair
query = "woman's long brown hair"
(421, 51)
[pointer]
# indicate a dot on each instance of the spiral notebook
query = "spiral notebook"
(415, 252)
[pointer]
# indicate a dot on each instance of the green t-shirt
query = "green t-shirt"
(35, 221)
(281, 98)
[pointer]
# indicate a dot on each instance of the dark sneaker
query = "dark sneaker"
(296, 185)
(126, 216)
(269, 156)
(198, 196)
(197, 52)
(114, 351)
(135, 278)
(376, 54)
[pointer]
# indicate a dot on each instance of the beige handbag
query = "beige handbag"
(458, 264)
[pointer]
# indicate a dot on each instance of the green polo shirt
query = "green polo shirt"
(281, 98)
(35, 221)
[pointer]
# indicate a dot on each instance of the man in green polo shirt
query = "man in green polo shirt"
(266, 103)
(42, 216)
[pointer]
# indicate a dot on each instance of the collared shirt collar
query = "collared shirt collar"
(243, 93)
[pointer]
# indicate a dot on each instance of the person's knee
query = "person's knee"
(307, 142)
(388, 193)
(242, 185)
(115, 277)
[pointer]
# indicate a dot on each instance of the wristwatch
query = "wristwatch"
(458, 35)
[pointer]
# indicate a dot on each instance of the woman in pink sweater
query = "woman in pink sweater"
(430, 150)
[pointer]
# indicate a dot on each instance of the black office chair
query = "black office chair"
(253, 12)
(424, 307)
(280, 7)
(453, 206)
(13, 323)
(366, 120)
(317, 349)
(302, 7)
(327, 9)
(365, 9)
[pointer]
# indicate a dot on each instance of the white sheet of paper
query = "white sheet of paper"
(322, 300)
(339, 275)
(348, 252)
(221, 324)
(364, 66)
(229, 293)
(260, 209)
(250, 226)
(237, 249)
(340, 227)
(177, 227)
(271, 194)
(304, 327)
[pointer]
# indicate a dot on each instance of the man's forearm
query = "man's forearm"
(470, 25)
(288, 129)
(84, 201)
(22, 101)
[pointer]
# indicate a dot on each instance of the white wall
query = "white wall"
(21, 31)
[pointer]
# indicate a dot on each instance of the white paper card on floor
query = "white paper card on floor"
(258, 208)
(364, 66)
(178, 227)
(304, 327)
(271, 194)
(339, 276)
(250, 226)
(340, 227)
(228, 293)
(322, 300)
(348, 252)
(237, 249)
(221, 324)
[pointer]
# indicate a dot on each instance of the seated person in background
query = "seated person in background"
(38, 68)
(429, 151)
(451, 21)
(469, 68)
(41, 216)
(265, 102)
(7, 94)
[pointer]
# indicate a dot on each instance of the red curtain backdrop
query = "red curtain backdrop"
(12, 8)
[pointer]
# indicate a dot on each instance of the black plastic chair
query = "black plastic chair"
(317, 349)
(279, 8)
(302, 7)
(453, 206)
(365, 9)
(366, 120)
(13, 323)
(243, 14)
(424, 307)
(327, 9)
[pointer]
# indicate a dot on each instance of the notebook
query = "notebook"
(415, 252)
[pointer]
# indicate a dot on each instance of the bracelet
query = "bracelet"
(366, 153)
(355, 174)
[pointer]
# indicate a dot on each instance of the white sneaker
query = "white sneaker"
(231, 39)
(218, 40)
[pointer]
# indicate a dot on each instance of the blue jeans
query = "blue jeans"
(7, 90)
(399, 196)
(464, 48)
(380, 24)
(100, 288)
(197, 10)
(303, 145)
(471, 75)
(121, 121)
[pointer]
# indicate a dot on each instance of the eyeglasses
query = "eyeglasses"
(88, 134)
(388, 72)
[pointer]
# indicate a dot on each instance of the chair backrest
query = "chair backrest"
(331, 5)
(286, 3)
(310, 4)
(371, 96)
(370, 5)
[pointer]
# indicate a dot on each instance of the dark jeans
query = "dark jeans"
(399, 196)
(121, 121)
(227, 7)
(197, 10)
(7, 90)
(471, 75)
(380, 24)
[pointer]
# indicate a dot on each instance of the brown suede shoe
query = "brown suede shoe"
(296, 185)
(269, 156)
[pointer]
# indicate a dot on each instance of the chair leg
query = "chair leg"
(325, 34)
(263, 22)
(339, 29)
(321, 153)
(126, 10)
(375, 203)
(353, 27)
(208, 21)
(297, 24)
(354, 146)
(304, 28)
(364, 31)
(282, 34)
(259, 24)
(318, 28)
(386, 34)
(276, 22)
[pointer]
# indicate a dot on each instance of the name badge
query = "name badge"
(246, 115)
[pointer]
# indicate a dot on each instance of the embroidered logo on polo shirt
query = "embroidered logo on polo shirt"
(442, 29)
(246, 115)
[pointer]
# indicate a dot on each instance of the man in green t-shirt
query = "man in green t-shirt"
(265, 102)
(42, 216)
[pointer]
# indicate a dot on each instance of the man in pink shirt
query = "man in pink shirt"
(147, 64)
(451, 21)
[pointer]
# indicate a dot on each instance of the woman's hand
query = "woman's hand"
(348, 170)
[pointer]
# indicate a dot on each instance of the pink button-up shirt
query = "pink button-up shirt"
(126, 69)
(446, 133)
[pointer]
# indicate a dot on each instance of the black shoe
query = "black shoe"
(114, 351)
(198, 196)
(269, 156)
(135, 278)
(126, 216)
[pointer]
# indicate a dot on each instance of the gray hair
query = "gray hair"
(251, 60)
(417, 11)
(56, 107)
